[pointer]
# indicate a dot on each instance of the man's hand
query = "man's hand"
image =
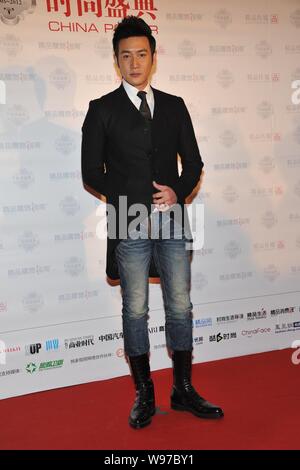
(165, 198)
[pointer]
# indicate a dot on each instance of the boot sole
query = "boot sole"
(178, 407)
(142, 425)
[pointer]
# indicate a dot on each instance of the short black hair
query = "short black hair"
(132, 26)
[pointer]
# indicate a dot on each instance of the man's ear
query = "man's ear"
(154, 58)
(116, 60)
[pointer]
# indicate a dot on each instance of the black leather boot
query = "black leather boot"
(144, 405)
(184, 397)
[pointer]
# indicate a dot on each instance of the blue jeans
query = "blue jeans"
(172, 261)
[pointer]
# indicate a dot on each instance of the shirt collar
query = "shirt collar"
(132, 91)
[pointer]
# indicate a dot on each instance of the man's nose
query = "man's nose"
(134, 62)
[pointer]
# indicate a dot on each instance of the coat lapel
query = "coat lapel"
(160, 118)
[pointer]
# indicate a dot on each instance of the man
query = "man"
(131, 138)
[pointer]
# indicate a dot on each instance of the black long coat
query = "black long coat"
(119, 159)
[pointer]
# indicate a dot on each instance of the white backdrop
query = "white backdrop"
(233, 62)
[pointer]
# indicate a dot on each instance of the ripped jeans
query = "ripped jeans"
(172, 261)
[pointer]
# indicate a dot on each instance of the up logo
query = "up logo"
(14, 11)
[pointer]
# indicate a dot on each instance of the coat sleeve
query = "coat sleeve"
(190, 157)
(93, 151)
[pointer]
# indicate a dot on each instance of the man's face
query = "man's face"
(135, 60)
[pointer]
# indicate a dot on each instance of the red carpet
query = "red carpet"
(259, 393)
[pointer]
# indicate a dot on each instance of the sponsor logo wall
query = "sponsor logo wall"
(236, 66)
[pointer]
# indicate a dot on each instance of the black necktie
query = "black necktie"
(144, 108)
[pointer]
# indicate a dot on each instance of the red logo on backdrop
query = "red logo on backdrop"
(280, 244)
(276, 136)
(274, 19)
(106, 8)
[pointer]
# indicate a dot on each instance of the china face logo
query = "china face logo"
(12, 11)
